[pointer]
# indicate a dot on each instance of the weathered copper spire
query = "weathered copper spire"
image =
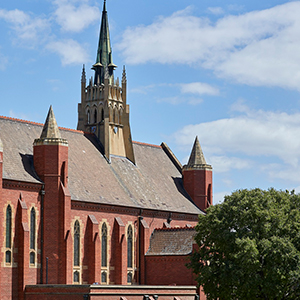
(104, 52)
(197, 160)
(50, 133)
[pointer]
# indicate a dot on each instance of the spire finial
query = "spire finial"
(83, 77)
(124, 75)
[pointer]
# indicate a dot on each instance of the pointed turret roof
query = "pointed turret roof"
(50, 133)
(197, 160)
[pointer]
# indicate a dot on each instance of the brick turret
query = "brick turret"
(197, 178)
(50, 156)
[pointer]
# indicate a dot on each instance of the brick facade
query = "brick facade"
(78, 212)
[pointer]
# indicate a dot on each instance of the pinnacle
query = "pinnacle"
(197, 159)
(50, 133)
(50, 129)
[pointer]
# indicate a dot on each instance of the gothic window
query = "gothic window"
(95, 115)
(102, 114)
(32, 257)
(116, 116)
(209, 195)
(88, 117)
(120, 117)
(104, 246)
(76, 244)
(129, 277)
(8, 227)
(8, 234)
(76, 277)
(103, 277)
(32, 236)
(32, 229)
(110, 114)
(129, 247)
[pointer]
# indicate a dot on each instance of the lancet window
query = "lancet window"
(76, 243)
(8, 235)
(32, 235)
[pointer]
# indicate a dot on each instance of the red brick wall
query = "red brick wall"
(197, 183)
(11, 284)
(117, 247)
(73, 292)
(168, 270)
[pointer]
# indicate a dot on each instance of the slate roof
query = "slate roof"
(171, 241)
(153, 183)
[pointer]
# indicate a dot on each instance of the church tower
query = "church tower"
(103, 109)
(197, 178)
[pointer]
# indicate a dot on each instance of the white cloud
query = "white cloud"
(251, 133)
(224, 164)
(259, 48)
(3, 62)
(70, 51)
(29, 30)
(199, 88)
(75, 15)
(216, 10)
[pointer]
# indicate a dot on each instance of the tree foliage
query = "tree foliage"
(249, 246)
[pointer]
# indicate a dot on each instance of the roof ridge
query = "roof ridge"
(175, 228)
(146, 144)
(39, 124)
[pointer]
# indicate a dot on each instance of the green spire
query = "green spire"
(104, 52)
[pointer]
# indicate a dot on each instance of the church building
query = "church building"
(90, 213)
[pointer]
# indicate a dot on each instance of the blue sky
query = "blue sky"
(227, 71)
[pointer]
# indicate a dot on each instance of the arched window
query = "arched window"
(129, 247)
(103, 277)
(104, 246)
(76, 276)
(95, 115)
(102, 114)
(76, 243)
(8, 234)
(121, 115)
(88, 117)
(32, 236)
(116, 116)
(32, 229)
(110, 114)
(129, 277)
(209, 195)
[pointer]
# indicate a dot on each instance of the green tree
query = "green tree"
(249, 246)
